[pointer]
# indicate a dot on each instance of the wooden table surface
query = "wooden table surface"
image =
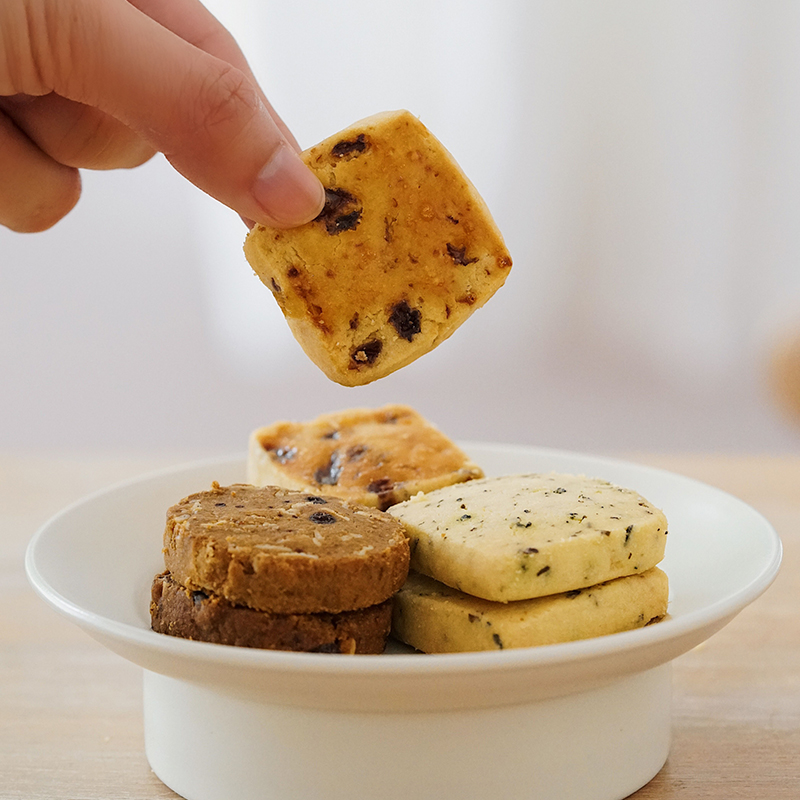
(70, 711)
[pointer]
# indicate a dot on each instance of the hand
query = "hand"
(103, 84)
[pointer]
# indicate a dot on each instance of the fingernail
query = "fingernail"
(287, 191)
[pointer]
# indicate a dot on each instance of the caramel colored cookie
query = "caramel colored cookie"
(288, 552)
(403, 252)
(434, 618)
(375, 457)
(178, 611)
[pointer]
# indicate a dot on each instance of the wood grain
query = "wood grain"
(70, 711)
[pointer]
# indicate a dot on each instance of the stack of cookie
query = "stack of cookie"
(527, 560)
(277, 569)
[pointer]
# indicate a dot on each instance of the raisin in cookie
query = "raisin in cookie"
(521, 536)
(272, 549)
(374, 457)
(435, 618)
(403, 252)
(178, 611)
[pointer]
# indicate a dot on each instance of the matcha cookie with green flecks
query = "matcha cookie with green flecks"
(523, 536)
(434, 618)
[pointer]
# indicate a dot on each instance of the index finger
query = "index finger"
(192, 21)
(206, 115)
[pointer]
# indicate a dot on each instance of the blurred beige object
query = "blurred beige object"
(784, 372)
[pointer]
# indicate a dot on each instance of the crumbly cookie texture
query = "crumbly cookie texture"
(522, 536)
(403, 252)
(272, 549)
(434, 618)
(178, 611)
(374, 457)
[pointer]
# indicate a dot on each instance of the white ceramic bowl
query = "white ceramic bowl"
(588, 719)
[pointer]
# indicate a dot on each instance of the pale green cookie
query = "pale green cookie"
(522, 536)
(434, 618)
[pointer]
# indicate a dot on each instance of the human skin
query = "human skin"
(105, 84)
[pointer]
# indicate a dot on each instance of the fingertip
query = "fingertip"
(54, 207)
(35, 191)
(287, 191)
(38, 208)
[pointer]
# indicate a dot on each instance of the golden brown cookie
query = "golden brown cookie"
(374, 457)
(178, 611)
(403, 252)
(435, 618)
(288, 552)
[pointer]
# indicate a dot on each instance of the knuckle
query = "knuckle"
(226, 104)
(101, 143)
(85, 143)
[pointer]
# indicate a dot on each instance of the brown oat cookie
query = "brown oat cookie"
(288, 552)
(403, 252)
(374, 457)
(178, 611)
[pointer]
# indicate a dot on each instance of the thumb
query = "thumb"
(206, 115)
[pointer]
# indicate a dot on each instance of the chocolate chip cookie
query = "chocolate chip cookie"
(374, 457)
(403, 252)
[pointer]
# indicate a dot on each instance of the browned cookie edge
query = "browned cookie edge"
(178, 611)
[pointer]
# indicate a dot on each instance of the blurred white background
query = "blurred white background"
(641, 158)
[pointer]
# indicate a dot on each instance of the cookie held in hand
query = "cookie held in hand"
(403, 252)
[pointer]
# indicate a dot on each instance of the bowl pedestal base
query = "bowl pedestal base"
(600, 744)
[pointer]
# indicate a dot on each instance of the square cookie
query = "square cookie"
(403, 252)
(434, 618)
(515, 537)
(373, 457)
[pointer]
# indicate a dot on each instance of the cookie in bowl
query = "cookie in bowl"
(525, 560)
(373, 457)
(194, 614)
(435, 618)
(268, 567)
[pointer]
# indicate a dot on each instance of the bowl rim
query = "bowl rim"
(690, 626)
